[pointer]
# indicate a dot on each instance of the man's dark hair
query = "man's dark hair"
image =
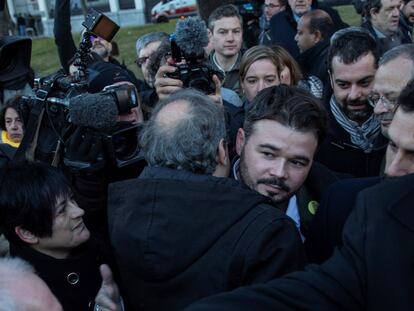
(320, 21)
(28, 196)
(373, 4)
(350, 44)
(406, 99)
(16, 104)
(290, 106)
(189, 142)
(228, 10)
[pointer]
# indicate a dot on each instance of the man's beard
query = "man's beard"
(275, 197)
(357, 115)
(101, 50)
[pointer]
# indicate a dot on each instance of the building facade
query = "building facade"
(124, 12)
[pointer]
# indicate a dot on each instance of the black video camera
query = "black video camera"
(192, 70)
(49, 110)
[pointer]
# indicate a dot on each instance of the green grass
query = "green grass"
(349, 15)
(45, 58)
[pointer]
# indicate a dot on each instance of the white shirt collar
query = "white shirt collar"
(293, 212)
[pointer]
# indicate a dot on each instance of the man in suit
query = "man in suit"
(372, 271)
(282, 130)
(383, 23)
(283, 25)
(314, 31)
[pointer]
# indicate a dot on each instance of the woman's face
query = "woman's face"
(68, 230)
(260, 75)
(285, 76)
(14, 125)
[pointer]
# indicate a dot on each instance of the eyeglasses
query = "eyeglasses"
(389, 104)
(271, 6)
(141, 61)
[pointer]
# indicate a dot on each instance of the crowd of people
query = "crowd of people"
(288, 187)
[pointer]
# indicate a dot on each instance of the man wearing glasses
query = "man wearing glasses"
(146, 46)
(396, 69)
(270, 8)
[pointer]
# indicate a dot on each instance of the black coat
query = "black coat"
(339, 154)
(373, 271)
(283, 28)
(338, 201)
(314, 62)
(60, 275)
(179, 237)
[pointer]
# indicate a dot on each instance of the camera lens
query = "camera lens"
(125, 144)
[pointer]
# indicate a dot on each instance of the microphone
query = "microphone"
(98, 111)
(191, 37)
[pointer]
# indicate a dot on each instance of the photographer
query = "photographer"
(168, 79)
(66, 46)
(87, 157)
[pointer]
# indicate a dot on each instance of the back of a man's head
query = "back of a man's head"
(350, 44)
(22, 290)
(291, 107)
(184, 132)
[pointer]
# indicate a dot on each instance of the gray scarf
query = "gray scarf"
(363, 135)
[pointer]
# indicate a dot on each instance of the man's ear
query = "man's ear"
(209, 33)
(318, 36)
(25, 235)
(240, 141)
(222, 154)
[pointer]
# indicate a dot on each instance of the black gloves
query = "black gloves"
(84, 152)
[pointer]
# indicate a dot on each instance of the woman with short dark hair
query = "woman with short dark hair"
(44, 226)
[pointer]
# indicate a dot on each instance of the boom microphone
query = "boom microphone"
(191, 36)
(98, 111)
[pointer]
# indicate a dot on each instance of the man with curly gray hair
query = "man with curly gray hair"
(183, 230)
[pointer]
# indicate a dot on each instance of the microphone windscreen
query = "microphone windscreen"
(191, 36)
(93, 110)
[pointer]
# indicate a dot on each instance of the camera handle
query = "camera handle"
(81, 56)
